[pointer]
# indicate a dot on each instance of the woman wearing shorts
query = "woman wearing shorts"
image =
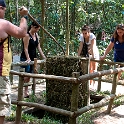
(30, 44)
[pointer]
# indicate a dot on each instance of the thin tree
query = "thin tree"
(67, 27)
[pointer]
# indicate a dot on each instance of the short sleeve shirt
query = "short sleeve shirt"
(91, 37)
(95, 49)
(118, 51)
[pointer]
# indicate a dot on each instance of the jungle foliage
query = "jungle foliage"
(98, 14)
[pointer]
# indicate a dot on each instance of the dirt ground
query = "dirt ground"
(117, 113)
(115, 117)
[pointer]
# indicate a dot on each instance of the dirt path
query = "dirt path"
(117, 114)
(115, 117)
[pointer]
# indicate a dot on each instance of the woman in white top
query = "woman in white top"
(89, 39)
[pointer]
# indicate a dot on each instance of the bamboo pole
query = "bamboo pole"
(11, 76)
(44, 107)
(88, 84)
(20, 98)
(43, 76)
(34, 79)
(99, 80)
(113, 91)
(74, 98)
(21, 63)
(107, 62)
(93, 106)
(100, 73)
(120, 82)
(29, 84)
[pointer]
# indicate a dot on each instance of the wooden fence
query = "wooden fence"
(76, 80)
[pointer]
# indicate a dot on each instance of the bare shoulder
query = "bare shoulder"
(3, 27)
(26, 38)
(7, 26)
(3, 23)
(37, 35)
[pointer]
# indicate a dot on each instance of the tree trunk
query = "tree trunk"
(67, 27)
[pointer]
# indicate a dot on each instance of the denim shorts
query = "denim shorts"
(28, 68)
(117, 60)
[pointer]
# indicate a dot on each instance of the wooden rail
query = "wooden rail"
(76, 80)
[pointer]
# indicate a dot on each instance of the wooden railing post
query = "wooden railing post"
(99, 79)
(74, 98)
(34, 80)
(20, 98)
(113, 91)
(11, 76)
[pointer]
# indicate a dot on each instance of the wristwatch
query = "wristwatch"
(25, 16)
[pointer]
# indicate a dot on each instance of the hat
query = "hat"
(2, 3)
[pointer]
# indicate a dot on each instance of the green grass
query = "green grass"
(119, 101)
(30, 119)
(86, 118)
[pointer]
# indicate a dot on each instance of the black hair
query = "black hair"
(85, 28)
(32, 24)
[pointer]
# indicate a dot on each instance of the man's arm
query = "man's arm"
(17, 31)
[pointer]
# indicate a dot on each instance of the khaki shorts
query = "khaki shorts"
(5, 105)
(5, 98)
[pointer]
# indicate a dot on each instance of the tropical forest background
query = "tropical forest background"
(63, 19)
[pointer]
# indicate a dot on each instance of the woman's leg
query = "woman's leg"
(2, 119)
(93, 68)
(26, 80)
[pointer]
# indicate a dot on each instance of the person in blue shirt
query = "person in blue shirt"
(116, 42)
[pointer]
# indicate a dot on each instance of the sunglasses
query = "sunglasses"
(120, 26)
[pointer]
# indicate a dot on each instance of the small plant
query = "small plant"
(122, 75)
(119, 101)
(86, 118)
(101, 93)
(11, 117)
(33, 98)
(43, 95)
(29, 118)
(13, 107)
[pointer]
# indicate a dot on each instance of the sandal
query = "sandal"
(26, 96)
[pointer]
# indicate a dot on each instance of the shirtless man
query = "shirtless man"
(8, 29)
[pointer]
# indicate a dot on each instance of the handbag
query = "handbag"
(84, 51)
